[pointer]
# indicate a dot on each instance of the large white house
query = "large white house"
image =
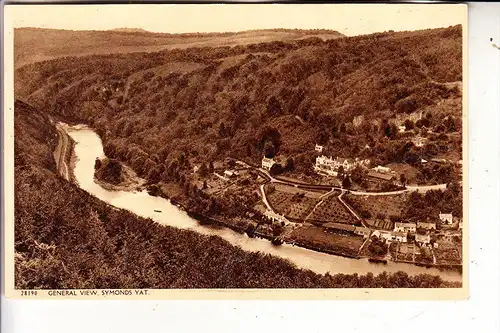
(446, 218)
(331, 166)
(267, 163)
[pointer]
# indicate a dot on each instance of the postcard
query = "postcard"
(250, 151)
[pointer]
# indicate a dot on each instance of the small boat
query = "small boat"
(378, 261)
(158, 211)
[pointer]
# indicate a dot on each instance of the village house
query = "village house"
(325, 165)
(362, 231)
(426, 225)
(386, 235)
(267, 163)
(275, 217)
(401, 128)
(339, 228)
(446, 218)
(405, 227)
(423, 239)
(399, 237)
(318, 148)
(460, 225)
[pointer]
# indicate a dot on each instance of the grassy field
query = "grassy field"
(318, 237)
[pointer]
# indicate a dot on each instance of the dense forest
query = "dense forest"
(66, 238)
(163, 112)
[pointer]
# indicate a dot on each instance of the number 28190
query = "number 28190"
(29, 293)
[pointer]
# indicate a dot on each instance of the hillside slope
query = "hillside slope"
(65, 238)
(36, 44)
(206, 103)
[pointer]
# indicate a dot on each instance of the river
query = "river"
(88, 147)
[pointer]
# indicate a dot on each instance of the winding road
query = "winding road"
(61, 152)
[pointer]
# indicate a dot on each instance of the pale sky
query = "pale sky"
(353, 19)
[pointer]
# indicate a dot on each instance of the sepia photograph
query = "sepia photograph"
(236, 148)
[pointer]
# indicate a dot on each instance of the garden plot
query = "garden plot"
(293, 204)
(332, 210)
(378, 206)
(318, 238)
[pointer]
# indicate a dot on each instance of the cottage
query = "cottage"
(460, 225)
(401, 128)
(446, 218)
(423, 239)
(267, 163)
(423, 161)
(362, 231)
(405, 227)
(399, 237)
(380, 176)
(418, 141)
(339, 228)
(229, 173)
(426, 225)
(319, 148)
(384, 235)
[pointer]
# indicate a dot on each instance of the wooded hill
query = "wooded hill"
(65, 238)
(201, 104)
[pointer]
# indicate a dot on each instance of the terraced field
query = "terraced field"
(332, 210)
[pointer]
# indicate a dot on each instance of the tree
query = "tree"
(409, 124)
(274, 106)
(269, 150)
(203, 170)
(97, 164)
(346, 183)
(402, 179)
(289, 164)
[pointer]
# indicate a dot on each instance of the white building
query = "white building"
(419, 141)
(460, 225)
(318, 148)
(446, 218)
(423, 239)
(401, 128)
(362, 231)
(399, 237)
(405, 227)
(267, 163)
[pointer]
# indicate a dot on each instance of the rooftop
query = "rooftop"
(339, 226)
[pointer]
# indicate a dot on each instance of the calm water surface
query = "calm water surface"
(88, 147)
